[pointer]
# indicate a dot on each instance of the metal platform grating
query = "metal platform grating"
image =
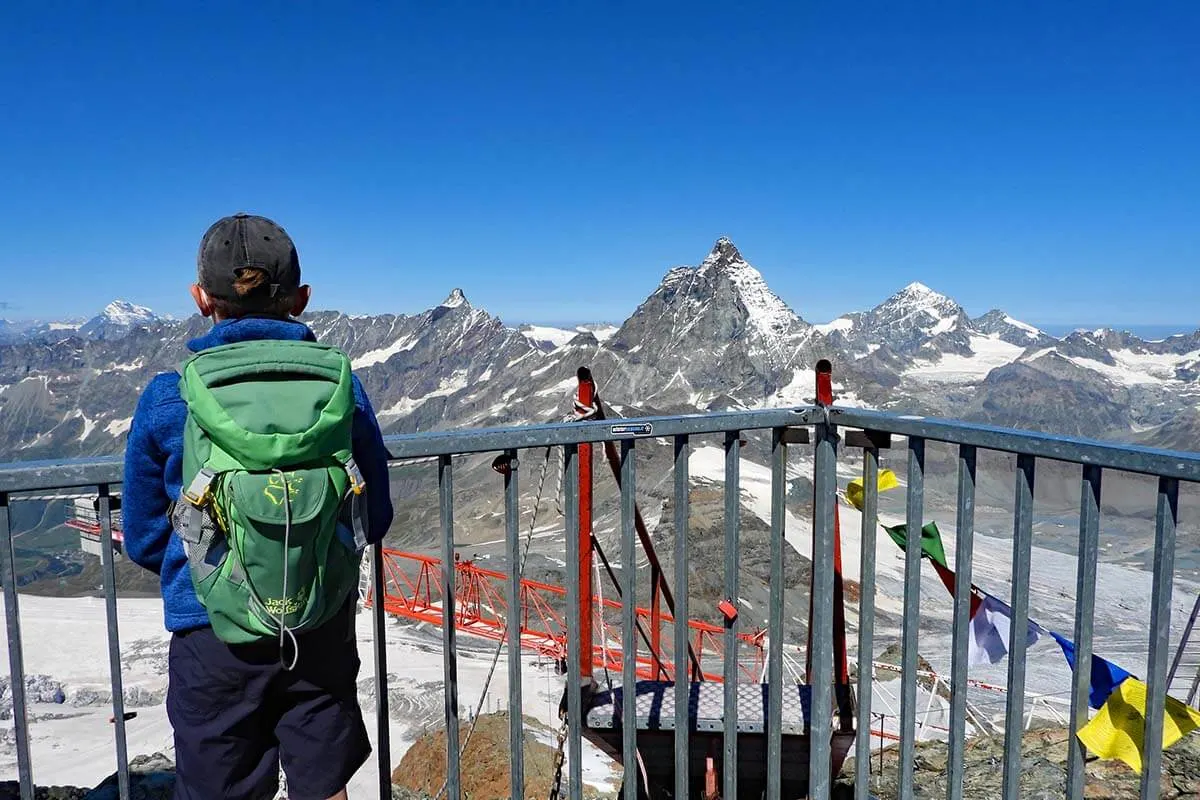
(706, 707)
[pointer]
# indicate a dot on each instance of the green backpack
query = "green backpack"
(270, 478)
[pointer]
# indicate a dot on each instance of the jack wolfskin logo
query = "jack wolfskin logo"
(282, 606)
(274, 488)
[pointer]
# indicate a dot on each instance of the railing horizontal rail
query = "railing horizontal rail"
(418, 445)
(33, 476)
(1111, 455)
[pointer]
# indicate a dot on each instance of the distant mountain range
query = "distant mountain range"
(710, 336)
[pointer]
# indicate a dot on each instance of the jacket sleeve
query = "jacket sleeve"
(372, 457)
(144, 500)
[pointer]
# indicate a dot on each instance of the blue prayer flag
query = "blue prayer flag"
(1106, 676)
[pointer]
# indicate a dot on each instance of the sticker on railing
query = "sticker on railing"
(632, 429)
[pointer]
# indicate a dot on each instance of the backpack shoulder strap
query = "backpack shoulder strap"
(358, 501)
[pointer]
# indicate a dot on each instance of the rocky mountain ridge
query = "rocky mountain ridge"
(711, 336)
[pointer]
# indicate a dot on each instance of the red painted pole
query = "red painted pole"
(839, 605)
(840, 662)
(656, 580)
(584, 400)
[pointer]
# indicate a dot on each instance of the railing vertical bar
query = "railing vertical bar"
(382, 722)
(912, 602)
(516, 727)
(1085, 604)
(107, 562)
(449, 634)
(629, 721)
(775, 622)
(574, 686)
(821, 706)
(16, 662)
(866, 623)
(1166, 518)
(1014, 720)
(733, 454)
(965, 523)
(683, 683)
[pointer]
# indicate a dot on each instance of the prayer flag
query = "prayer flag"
(1119, 729)
(854, 490)
(1106, 676)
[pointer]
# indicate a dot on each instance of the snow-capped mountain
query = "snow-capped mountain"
(906, 321)
(997, 323)
(117, 319)
(709, 336)
(549, 337)
(25, 330)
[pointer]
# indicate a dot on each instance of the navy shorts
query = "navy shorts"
(238, 714)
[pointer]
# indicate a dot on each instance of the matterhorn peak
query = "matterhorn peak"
(456, 299)
(726, 259)
(725, 250)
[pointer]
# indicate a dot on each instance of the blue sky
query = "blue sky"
(554, 162)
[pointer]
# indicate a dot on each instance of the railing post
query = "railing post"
(1085, 602)
(575, 655)
(629, 721)
(964, 545)
(449, 634)
(774, 720)
(682, 683)
(16, 663)
(516, 727)
(820, 723)
(912, 604)
(866, 623)
(1018, 638)
(382, 722)
(733, 449)
(1166, 518)
(104, 513)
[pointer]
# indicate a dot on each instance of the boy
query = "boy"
(240, 710)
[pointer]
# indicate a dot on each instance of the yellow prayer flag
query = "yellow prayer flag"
(1119, 728)
(854, 491)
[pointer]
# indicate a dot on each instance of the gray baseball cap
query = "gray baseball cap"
(244, 240)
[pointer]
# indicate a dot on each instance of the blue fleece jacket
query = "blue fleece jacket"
(154, 470)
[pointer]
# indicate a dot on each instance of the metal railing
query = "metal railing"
(865, 430)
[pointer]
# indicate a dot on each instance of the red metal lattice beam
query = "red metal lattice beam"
(412, 590)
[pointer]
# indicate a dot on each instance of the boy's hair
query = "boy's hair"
(252, 288)
(248, 266)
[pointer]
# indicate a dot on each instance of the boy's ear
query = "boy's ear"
(303, 295)
(204, 303)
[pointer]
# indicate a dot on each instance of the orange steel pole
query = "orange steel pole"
(656, 582)
(584, 399)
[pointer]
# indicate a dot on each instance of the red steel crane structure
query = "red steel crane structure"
(412, 589)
